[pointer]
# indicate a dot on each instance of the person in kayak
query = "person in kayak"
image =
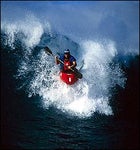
(68, 60)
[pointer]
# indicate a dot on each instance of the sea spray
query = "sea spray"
(40, 75)
(89, 95)
(29, 31)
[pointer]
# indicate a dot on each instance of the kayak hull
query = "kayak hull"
(68, 78)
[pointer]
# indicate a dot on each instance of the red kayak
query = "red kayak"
(68, 78)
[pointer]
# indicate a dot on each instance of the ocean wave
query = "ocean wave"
(101, 72)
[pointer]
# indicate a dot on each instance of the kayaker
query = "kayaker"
(68, 59)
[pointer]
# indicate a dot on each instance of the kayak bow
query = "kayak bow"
(68, 78)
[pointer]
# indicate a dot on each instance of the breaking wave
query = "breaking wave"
(40, 75)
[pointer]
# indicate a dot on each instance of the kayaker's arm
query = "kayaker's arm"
(74, 64)
(57, 60)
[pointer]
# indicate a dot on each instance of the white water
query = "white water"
(90, 94)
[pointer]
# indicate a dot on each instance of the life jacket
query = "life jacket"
(66, 64)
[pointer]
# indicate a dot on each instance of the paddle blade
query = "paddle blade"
(78, 74)
(48, 51)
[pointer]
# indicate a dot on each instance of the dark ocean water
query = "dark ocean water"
(25, 124)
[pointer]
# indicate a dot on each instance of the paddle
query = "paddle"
(76, 72)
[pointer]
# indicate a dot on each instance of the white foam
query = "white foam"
(100, 52)
(87, 96)
(90, 94)
(30, 27)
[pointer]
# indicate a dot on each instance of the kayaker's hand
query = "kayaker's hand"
(56, 57)
(69, 67)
